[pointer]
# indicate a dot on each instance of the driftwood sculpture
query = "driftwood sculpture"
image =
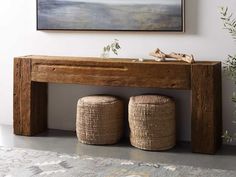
(161, 56)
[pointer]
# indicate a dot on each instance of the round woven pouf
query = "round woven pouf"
(99, 120)
(152, 122)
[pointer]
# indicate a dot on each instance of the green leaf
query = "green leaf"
(114, 47)
(117, 46)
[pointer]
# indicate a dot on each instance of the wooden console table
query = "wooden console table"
(32, 73)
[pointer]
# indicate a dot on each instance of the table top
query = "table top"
(115, 60)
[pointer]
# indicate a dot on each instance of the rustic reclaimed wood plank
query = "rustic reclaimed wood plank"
(62, 59)
(22, 107)
(17, 97)
(112, 73)
(206, 108)
(30, 101)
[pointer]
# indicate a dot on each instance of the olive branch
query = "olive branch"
(229, 22)
(114, 47)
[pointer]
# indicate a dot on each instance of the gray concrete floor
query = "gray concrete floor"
(66, 142)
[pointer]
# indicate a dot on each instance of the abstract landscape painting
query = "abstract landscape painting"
(126, 15)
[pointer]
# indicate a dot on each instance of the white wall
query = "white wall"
(204, 37)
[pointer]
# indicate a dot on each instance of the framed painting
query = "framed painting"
(111, 15)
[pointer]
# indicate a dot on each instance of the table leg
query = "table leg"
(30, 101)
(206, 108)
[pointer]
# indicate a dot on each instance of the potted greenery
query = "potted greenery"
(113, 47)
(230, 65)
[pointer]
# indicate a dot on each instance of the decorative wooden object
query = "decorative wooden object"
(32, 73)
(161, 56)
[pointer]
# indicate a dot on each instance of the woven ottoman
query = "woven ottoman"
(99, 120)
(152, 122)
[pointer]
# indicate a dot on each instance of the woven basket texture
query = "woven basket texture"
(152, 122)
(100, 120)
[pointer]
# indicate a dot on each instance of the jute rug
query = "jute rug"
(16, 162)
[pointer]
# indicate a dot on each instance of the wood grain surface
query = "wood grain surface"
(206, 108)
